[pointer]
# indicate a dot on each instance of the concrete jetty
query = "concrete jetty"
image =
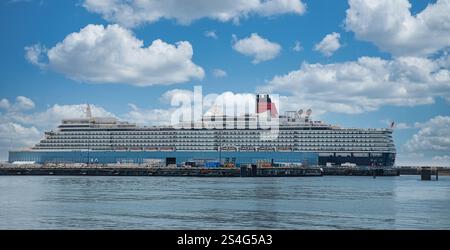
(147, 170)
(247, 170)
(354, 171)
(417, 170)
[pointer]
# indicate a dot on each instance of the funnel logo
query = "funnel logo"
(264, 104)
(258, 112)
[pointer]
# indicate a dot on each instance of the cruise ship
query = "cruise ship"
(298, 140)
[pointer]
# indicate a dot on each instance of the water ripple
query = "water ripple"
(86, 202)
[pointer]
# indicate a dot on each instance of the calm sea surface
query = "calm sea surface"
(54, 202)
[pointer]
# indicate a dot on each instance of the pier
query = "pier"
(139, 170)
(355, 171)
(254, 171)
(244, 170)
(418, 170)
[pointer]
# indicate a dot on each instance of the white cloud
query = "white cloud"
(257, 47)
(24, 103)
(230, 103)
(214, 101)
(440, 160)
(391, 26)
(158, 116)
(148, 116)
(35, 53)
(131, 13)
(397, 125)
(329, 44)
(211, 34)
(363, 85)
(434, 135)
(444, 158)
(112, 54)
(420, 159)
(429, 145)
(21, 103)
(15, 136)
(402, 125)
(297, 47)
(176, 95)
(4, 104)
(219, 73)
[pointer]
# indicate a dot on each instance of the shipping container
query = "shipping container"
(212, 164)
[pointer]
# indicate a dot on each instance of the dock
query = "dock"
(348, 171)
(417, 170)
(246, 170)
(128, 170)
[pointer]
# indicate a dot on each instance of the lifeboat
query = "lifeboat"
(166, 149)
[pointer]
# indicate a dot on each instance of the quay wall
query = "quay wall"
(245, 170)
(416, 170)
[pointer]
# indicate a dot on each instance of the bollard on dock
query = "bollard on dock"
(243, 171)
(425, 174)
(254, 170)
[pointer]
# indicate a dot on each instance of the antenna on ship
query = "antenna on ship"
(307, 115)
(88, 111)
(299, 113)
(392, 124)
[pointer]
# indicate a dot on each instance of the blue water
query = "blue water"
(56, 202)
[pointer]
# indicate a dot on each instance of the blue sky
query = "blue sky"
(416, 94)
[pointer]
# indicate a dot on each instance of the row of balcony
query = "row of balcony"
(265, 148)
(225, 132)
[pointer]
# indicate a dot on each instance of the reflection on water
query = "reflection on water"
(54, 202)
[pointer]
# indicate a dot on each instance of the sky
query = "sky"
(355, 63)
